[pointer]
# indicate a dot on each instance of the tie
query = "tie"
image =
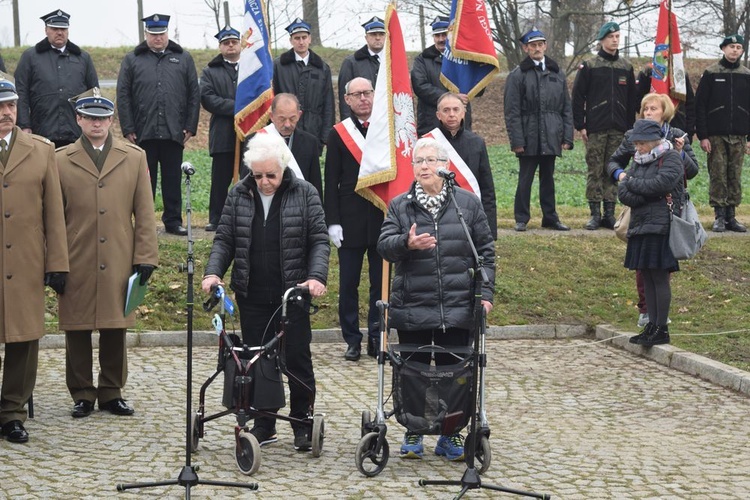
(365, 124)
(286, 139)
(301, 64)
(377, 58)
(3, 151)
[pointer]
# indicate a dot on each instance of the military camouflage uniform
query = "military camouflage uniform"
(725, 169)
(599, 149)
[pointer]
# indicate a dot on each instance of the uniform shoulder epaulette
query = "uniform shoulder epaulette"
(134, 146)
(40, 138)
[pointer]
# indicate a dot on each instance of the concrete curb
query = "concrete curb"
(687, 362)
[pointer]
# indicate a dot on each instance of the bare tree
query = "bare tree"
(310, 14)
(215, 6)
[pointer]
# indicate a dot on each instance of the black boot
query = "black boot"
(596, 216)
(731, 223)
(608, 220)
(647, 330)
(660, 335)
(719, 222)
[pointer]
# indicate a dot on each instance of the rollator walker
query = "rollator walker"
(253, 384)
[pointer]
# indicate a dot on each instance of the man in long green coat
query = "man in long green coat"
(109, 216)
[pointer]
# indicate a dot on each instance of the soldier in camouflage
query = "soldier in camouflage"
(722, 124)
(604, 108)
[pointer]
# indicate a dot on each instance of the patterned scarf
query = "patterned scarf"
(431, 203)
(660, 149)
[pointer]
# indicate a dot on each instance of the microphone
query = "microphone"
(187, 168)
(446, 174)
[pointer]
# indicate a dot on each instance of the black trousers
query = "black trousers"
(222, 171)
(259, 322)
(526, 174)
(350, 272)
(168, 154)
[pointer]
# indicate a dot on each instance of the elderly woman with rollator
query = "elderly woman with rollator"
(273, 228)
(651, 187)
(432, 294)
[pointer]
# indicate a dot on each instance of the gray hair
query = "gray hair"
(346, 87)
(429, 142)
(264, 147)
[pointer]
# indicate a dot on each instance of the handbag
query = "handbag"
(686, 233)
(622, 224)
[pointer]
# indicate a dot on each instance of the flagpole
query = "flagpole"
(236, 165)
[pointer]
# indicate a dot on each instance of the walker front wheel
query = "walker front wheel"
(371, 461)
(483, 454)
(318, 435)
(195, 435)
(247, 453)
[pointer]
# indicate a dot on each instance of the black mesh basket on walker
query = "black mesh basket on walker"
(431, 399)
(262, 382)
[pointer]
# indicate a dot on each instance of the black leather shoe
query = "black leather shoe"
(178, 230)
(82, 408)
(520, 226)
(210, 227)
(557, 226)
(117, 407)
(352, 353)
(15, 432)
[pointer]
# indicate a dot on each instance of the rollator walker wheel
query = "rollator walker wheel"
(195, 435)
(318, 434)
(482, 453)
(247, 453)
(369, 460)
(366, 421)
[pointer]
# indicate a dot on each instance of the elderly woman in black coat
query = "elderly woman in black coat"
(649, 187)
(273, 228)
(432, 294)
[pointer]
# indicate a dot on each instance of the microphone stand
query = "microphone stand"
(188, 476)
(471, 479)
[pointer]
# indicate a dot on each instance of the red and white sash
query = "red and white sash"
(292, 163)
(464, 176)
(352, 137)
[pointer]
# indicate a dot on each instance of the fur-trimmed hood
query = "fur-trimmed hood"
(45, 46)
(288, 58)
(529, 63)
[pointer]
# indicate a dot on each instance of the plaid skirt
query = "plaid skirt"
(650, 251)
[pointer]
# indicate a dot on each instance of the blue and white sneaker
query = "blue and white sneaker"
(412, 446)
(450, 447)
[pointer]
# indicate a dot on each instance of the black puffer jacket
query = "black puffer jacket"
(218, 87)
(304, 235)
(158, 94)
(433, 288)
(645, 189)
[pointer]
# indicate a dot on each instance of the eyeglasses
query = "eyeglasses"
(270, 176)
(431, 161)
(360, 95)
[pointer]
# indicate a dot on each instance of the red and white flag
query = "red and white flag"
(668, 76)
(385, 170)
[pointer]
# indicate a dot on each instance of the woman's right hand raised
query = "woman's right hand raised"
(423, 241)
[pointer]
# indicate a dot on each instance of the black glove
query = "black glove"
(55, 281)
(146, 270)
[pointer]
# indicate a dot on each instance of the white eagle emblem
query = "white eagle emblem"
(405, 128)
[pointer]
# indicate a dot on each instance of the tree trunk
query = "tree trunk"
(310, 15)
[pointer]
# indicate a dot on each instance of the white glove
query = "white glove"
(336, 234)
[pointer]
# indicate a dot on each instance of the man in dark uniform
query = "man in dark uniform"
(158, 100)
(109, 217)
(302, 72)
(425, 80)
(285, 115)
(365, 62)
(540, 126)
(353, 222)
(34, 253)
(470, 148)
(49, 74)
(722, 124)
(604, 108)
(218, 88)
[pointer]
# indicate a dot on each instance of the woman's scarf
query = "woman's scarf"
(659, 150)
(431, 203)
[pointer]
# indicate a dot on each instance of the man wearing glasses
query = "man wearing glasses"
(109, 217)
(353, 222)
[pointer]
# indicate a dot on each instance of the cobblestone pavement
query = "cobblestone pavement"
(574, 422)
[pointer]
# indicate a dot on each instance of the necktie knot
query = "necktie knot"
(3, 145)
(365, 124)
